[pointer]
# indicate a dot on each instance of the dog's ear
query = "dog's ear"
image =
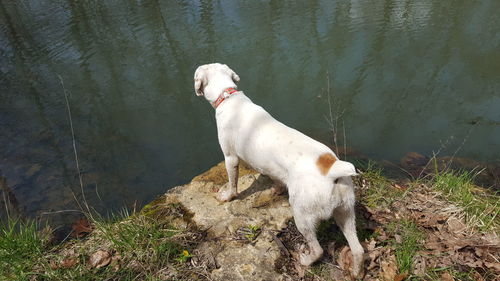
(198, 82)
(234, 76)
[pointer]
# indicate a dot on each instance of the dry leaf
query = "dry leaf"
(135, 265)
(388, 268)
(398, 238)
(455, 225)
(419, 265)
(401, 277)
(370, 246)
(53, 265)
(400, 187)
(447, 277)
(115, 262)
(81, 228)
(337, 274)
(300, 270)
(493, 265)
(345, 259)
(99, 259)
(68, 262)
(373, 255)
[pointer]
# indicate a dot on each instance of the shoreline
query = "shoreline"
(409, 228)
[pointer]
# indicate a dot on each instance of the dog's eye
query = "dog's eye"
(336, 181)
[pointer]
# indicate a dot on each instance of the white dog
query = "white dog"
(319, 184)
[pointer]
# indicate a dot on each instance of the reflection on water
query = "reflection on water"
(403, 76)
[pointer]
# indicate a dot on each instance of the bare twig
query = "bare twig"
(68, 108)
(334, 116)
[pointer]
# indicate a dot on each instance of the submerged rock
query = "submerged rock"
(240, 233)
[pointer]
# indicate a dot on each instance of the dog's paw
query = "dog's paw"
(226, 195)
(306, 259)
(308, 256)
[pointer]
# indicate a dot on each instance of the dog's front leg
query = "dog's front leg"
(232, 173)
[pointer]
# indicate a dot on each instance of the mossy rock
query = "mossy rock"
(218, 174)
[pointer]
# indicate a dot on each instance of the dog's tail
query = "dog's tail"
(341, 169)
(332, 167)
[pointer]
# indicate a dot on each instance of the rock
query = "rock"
(235, 258)
(414, 163)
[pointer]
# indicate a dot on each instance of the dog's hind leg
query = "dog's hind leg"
(306, 224)
(232, 173)
(345, 219)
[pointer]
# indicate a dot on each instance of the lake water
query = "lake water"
(400, 75)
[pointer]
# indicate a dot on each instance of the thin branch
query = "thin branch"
(68, 108)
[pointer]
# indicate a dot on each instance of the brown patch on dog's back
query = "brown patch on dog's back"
(324, 162)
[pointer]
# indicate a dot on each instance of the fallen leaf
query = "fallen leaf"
(493, 265)
(336, 274)
(401, 277)
(373, 255)
(455, 225)
(419, 265)
(388, 268)
(68, 262)
(99, 259)
(447, 277)
(400, 187)
(135, 265)
(299, 269)
(370, 246)
(345, 259)
(81, 228)
(398, 238)
(115, 262)
(53, 265)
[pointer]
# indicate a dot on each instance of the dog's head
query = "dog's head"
(208, 74)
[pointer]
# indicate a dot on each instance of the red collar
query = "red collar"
(224, 95)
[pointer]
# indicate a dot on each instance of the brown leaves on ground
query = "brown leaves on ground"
(447, 243)
(345, 259)
(447, 277)
(69, 262)
(389, 270)
(100, 259)
(450, 242)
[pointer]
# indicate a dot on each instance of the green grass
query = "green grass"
(482, 208)
(143, 249)
(21, 244)
(379, 191)
(409, 244)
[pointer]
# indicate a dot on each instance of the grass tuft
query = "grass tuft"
(378, 190)
(408, 240)
(136, 247)
(19, 243)
(480, 206)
